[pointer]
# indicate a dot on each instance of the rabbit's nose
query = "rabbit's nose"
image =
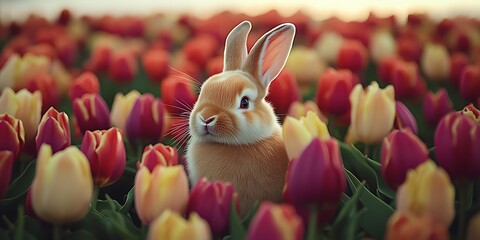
(210, 121)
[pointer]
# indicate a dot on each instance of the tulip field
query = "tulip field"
(379, 127)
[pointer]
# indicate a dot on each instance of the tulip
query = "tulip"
(470, 83)
(473, 230)
(212, 201)
(25, 106)
(86, 83)
(214, 66)
(352, 55)
(428, 191)
(62, 77)
(6, 165)
(158, 154)
(435, 61)
(47, 87)
(457, 144)
(409, 226)
(472, 112)
(276, 222)
(122, 105)
(178, 95)
(409, 48)
(62, 187)
(406, 80)
(458, 62)
(13, 134)
(385, 68)
(122, 67)
(401, 151)
(200, 49)
(404, 118)
(382, 45)
(91, 112)
(155, 62)
(373, 112)
(316, 177)
(298, 133)
(334, 87)
(305, 65)
(9, 72)
(66, 49)
(164, 188)
(283, 92)
(172, 226)
(99, 58)
(53, 130)
(298, 110)
(435, 106)
(328, 46)
(106, 153)
(145, 120)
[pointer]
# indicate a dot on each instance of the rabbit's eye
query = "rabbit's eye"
(244, 103)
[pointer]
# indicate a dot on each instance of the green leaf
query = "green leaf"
(80, 235)
(236, 228)
(377, 213)
(357, 164)
(19, 187)
(108, 204)
(20, 224)
(128, 202)
(251, 213)
(346, 223)
(382, 185)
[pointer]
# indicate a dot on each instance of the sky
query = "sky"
(320, 9)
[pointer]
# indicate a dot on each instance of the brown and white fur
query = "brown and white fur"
(236, 142)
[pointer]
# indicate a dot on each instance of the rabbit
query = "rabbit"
(235, 135)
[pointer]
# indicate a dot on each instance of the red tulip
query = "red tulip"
(457, 146)
(86, 83)
(99, 59)
(401, 151)
(6, 165)
(435, 106)
(333, 91)
(409, 49)
(178, 95)
(283, 92)
(214, 66)
(13, 135)
(66, 49)
(91, 113)
(155, 62)
(47, 86)
(385, 67)
(158, 154)
(201, 49)
(407, 80)
(106, 153)
(470, 83)
(404, 118)
(212, 201)
(458, 62)
(352, 55)
(145, 120)
(53, 130)
(123, 66)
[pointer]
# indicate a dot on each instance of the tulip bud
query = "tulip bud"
(178, 95)
(200, 49)
(404, 118)
(276, 222)
(401, 151)
(373, 112)
(9, 72)
(305, 65)
(155, 62)
(121, 107)
(86, 83)
(435, 106)
(334, 88)
(316, 177)
(106, 153)
(428, 191)
(470, 83)
(6, 165)
(457, 144)
(62, 187)
(47, 87)
(385, 68)
(164, 188)
(158, 155)
(472, 112)
(91, 112)
(352, 55)
(212, 201)
(172, 226)
(435, 61)
(406, 80)
(298, 133)
(123, 66)
(382, 45)
(145, 120)
(409, 48)
(328, 46)
(283, 92)
(458, 62)
(25, 106)
(13, 134)
(409, 226)
(298, 110)
(53, 130)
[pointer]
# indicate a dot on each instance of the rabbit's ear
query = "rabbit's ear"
(269, 54)
(236, 46)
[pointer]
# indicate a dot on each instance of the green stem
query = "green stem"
(57, 232)
(93, 204)
(144, 231)
(366, 150)
(462, 192)
(312, 224)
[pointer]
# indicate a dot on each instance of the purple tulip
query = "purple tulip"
(435, 106)
(53, 130)
(404, 118)
(146, 119)
(91, 112)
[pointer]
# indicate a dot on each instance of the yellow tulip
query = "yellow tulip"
(435, 61)
(122, 105)
(62, 188)
(373, 112)
(428, 191)
(163, 188)
(298, 133)
(383, 45)
(25, 106)
(171, 226)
